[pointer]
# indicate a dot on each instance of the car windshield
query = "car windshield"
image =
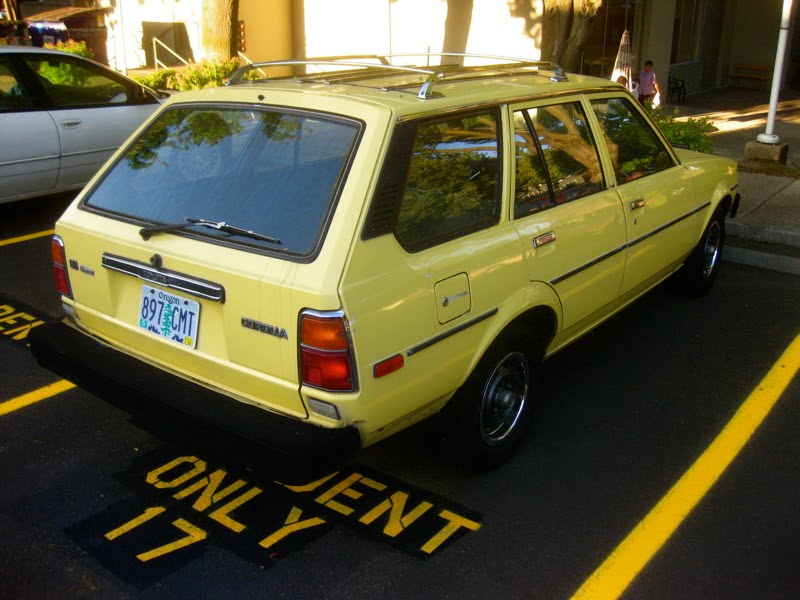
(275, 173)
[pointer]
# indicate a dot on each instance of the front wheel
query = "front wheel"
(489, 415)
(700, 269)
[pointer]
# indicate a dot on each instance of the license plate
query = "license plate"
(169, 315)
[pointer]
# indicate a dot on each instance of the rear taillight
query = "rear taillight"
(326, 359)
(59, 256)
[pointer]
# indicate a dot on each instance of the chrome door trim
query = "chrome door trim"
(443, 336)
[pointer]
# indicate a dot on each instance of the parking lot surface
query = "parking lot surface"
(648, 447)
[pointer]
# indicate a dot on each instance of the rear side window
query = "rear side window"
(12, 94)
(274, 173)
(452, 184)
(556, 158)
(636, 151)
(69, 82)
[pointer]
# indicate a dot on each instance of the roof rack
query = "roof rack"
(433, 74)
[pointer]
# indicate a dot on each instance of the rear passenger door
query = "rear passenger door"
(94, 112)
(29, 152)
(571, 226)
(664, 219)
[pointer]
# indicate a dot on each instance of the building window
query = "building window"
(686, 31)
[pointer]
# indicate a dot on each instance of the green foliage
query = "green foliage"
(163, 79)
(690, 132)
(73, 47)
(205, 74)
(60, 73)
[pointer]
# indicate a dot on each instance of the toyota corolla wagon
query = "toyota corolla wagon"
(317, 261)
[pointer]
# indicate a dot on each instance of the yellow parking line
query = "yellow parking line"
(617, 572)
(25, 238)
(35, 396)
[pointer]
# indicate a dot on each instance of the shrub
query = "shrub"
(73, 47)
(163, 79)
(205, 74)
(690, 132)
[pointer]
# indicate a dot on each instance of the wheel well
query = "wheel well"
(725, 204)
(541, 319)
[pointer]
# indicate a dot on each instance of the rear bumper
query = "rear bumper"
(138, 388)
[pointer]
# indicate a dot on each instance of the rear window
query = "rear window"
(271, 172)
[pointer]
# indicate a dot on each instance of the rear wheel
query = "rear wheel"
(700, 269)
(489, 415)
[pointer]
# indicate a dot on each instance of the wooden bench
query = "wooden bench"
(757, 73)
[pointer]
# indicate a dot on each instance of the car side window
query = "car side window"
(556, 158)
(452, 187)
(68, 82)
(636, 151)
(12, 93)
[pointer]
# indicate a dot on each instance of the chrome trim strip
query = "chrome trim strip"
(451, 332)
(667, 225)
(25, 160)
(588, 265)
(603, 257)
(93, 151)
(171, 279)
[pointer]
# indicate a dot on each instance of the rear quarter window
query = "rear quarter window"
(273, 172)
(440, 181)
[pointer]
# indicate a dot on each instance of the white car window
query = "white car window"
(71, 83)
(12, 94)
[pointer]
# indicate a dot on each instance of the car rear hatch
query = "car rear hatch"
(194, 251)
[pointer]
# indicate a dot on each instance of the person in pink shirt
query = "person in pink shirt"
(648, 85)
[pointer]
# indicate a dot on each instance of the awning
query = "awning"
(61, 14)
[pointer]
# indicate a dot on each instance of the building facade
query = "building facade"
(704, 42)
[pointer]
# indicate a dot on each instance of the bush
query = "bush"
(690, 132)
(163, 79)
(73, 47)
(206, 74)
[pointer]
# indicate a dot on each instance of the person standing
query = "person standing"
(648, 84)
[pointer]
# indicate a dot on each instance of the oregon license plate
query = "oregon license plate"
(169, 316)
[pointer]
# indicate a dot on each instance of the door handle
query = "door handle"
(71, 123)
(638, 203)
(543, 239)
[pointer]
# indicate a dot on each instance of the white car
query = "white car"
(61, 117)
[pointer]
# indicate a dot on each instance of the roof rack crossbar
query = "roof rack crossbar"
(239, 73)
(433, 75)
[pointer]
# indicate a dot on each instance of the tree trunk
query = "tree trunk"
(456, 29)
(556, 23)
(566, 25)
(219, 17)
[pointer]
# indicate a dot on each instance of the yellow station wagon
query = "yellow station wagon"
(320, 260)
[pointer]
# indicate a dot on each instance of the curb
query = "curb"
(764, 260)
(762, 234)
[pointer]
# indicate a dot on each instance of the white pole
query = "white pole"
(769, 136)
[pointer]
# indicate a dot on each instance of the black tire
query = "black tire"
(490, 413)
(700, 269)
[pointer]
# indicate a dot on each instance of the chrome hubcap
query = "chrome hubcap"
(711, 250)
(504, 397)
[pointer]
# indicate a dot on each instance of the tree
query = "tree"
(456, 29)
(219, 28)
(564, 26)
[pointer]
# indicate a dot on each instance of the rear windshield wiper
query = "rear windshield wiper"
(149, 230)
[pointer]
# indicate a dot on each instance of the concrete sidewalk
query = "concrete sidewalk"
(766, 230)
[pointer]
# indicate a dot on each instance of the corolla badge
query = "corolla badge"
(273, 330)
